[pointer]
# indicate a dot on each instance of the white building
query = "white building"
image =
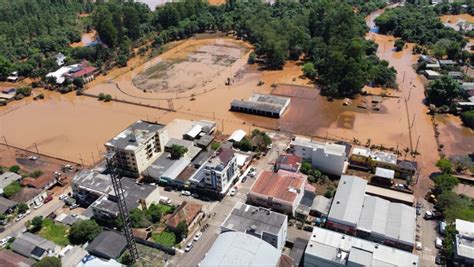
(464, 252)
(138, 146)
(270, 226)
(327, 157)
(328, 248)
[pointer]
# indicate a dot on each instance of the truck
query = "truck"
(165, 200)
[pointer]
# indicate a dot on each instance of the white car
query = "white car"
(418, 245)
(57, 173)
(252, 172)
(197, 236)
(233, 191)
(4, 241)
(20, 216)
(185, 193)
(33, 157)
(63, 197)
(188, 247)
(39, 206)
(438, 243)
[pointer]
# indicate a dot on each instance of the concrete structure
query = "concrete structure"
(431, 74)
(8, 178)
(328, 248)
(138, 146)
(33, 246)
(320, 207)
(288, 162)
(464, 242)
(217, 174)
(239, 249)
(89, 185)
(166, 170)
(93, 261)
(390, 195)
(270, 226)
(370, 217)
(108, 245)
(262, 105)
(281, 191)
(72, 255)
(329, 158)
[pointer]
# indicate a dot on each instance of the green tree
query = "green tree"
(177, 151)
(444, 165)
(83, 231)
(22, 208)
(154, 213)
(181, 231)
(139, 218)
(245, 144)
(399, 44)
(122, 61)
(445, 182)
(309, 70)
(6, 67)
(36, 174)
(103, 23)
(468, 118)
(252, 58)
(78, 82)
(11, 189)
(306, 168)
(48, 262)
(329, 191)
(14, 168)
(37, 223)
(443, 91)
(126, 259)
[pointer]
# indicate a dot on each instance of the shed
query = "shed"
(193, 132)
(237, 135)
(384, 173)
(108, 245)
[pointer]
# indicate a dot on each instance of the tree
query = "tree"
(11, 189)
(181, 231)
(445, 182)
(36, 174)
(444, 165)
(399, 44)
(126, 259)
(309, 70)
(154, 213)
(329, 191)
(139, 219)
(48, 262)
(84, 231)
(306, 168)
(78, 82)
(252, 58)
(443, 91)
(103, 23)
(14, 168)
(6, 67)
(177, 151)
(245, 144)
(446, 47)
(122, 61)
(37, 223)
(22, 208)
(468, 118)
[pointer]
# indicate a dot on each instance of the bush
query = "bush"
(101, 96)
(399, 44)
(153, 213)
(177, 151)
(49, 262)
(14, 168)
(22, 208)
(26, 91)
(37, 223)
(444, 165)
(107, 98)
(252, 58)
(309, 70)
(468, 118)
(122, 61)
(215, 146)
(84, 231)
(11, 189)
(329, 191)
(36, 174)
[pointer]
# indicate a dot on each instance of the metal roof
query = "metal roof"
(401, 223)
(347, 203)
(465, 228)
(373, 218)
(384, 173)
(237, 135)
(194, 131)
(108, 244)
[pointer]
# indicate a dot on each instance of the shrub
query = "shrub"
(11, 189)
(252, 58)
(36, 174)
(83, 231)
(101, 96)
(14, 168)
(22, 208)
(399, 44)
(49, 262)
(468, 118)
(215, 146)
(107, 98)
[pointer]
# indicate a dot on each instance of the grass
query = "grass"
(57, 233)
(165, 209)
(164, 238)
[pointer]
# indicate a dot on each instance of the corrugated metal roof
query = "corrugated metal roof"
(347, 203)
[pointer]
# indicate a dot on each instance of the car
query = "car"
(442, 227)
(252, 172)
(63, 197)
(188, 247)
(169, 189)
(185, 193)
(4, 241)
(438, 243)
(400, 186)
(308, 228)
(428, 215)
(197, 236)
(418, 211)
(244, 179)
(2, 229)
(38, 206)
(19, 217)
(233, 191)
(418, 245)
(48, 199)
(440, 259)
(32, 157)
(56, 173)
(74, 206)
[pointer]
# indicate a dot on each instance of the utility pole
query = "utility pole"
(6, 143)
(37, 150)
(417, 142)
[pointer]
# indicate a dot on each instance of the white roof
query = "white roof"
(465, 228)
(177, 168)
(237, 135)
(7, 96)
(432, 73)
(401, 223)
(241, 159)
(373, 218)
(347, 203)
(384, 173)
(389, 193)
(328, 245)
(59, 74)
(240, 249)
(329, 148)
(362, 151)
(194, 131)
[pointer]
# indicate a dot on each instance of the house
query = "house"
(89, 185)
(329, 158)
(190, 212)
(86, 73)
(7, 97)
(60, 74)
(7, 205)
(262, 105)
(383, 176)
(72, 255)
(240, 249)
(457, 75)
(30, 196)
(191, 150)
(8, 178)
(320, 207)
(43, 182)
(431, 74)
(11, 259)
(281, 191)
(447, 62)
(93, 261)
(33, 246)
(217, 175)
(9, 91)
(406, 169)
(328, 248)
(237, 136)
(288, 162)
(108, 245)
(193, 133)
(270, 226)
(464, 242)
(137, 147)
(354, 212)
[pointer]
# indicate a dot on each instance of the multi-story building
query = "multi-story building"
(464, 242)
(329, 158)
(270, 226)
(138, 146)
(89, 185)
(217, 174)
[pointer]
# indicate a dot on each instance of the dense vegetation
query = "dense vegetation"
(443, 91)
(468, 118)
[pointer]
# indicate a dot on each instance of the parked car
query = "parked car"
(63, 197)
(20, 216)
(252, 172)
(165, 200)
(308, 228)
(244, 179)
(188, 247)
(442, 227)
(38, 206)
(4, 241)
(439, 243)
(74, 206)
(440, 259)
(428, 215)
(48, 199)
(197, 236)
(185, 193)
(233, 191)
(32, 157)
(169, 189)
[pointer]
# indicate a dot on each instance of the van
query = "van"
(165, 200)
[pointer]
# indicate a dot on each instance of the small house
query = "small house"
(431, 75)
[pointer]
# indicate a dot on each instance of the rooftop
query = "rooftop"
(26, 194)
(239, 249)
(390, 194)
(93, 181)
(237, 135)
(347, 203)
(346, 250)
(245, 218)
(269, 103)
(329, 148)
(165, 166)
(30, 245)
(465, 228)
(134, 135)
(179, 127)
(186, 211)
(384, 173)
(289, 159)
(108, 244)
(362, 151)
(8, 178)
(321, 204)
(10, 258)
(40, 182)
(283, 185)
(385, 157)
(6, 204)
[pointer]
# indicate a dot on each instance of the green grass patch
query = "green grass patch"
(57, 233)
(165, 209)
(164, 238)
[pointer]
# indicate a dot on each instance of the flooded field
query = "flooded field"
(86, 38)
(456, 139)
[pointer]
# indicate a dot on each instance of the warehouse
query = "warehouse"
(262, 105)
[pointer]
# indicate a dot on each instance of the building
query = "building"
(166, 170)
(329, 158)
(281, 191)
(390, 194)
(93, 261)
(89, 185)
(11, 259)
(320, 207)
(272, 227)
(7, 178)
(217, 175)
(431, 74)
(464, 242)
(288, 162)
(354, 212)
(30, 196)
(33, 246)
(138, 146)
(457, 75)
(72, 255)
(43, 182)
(262, 105)
(237, 136)
(7, 205)
(383, 176)
(328, 248)
(189, 212)
(239, 249)
(137, 195)
(108, 245)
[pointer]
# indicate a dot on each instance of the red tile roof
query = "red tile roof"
(40, 182)
(84, 72)
(278, 185)
(9, 258)
(289, 159)
(187, 212)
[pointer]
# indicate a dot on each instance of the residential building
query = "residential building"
(72, 255)
(320, 207)
(43, 182)
(93, 261)
(30, 196)
(329, 158)
(272, 227)
(108, 245)
(138, 146)
(7, 205)
(431, 74)
(8, 178)
(371, 159)
(237, 136)
(328, 248)
(239, 249)
(354, 212)
(33, 246)
(165, 170)
(297, 251)
(464, 242)
(190, 212)
(12, 259)
(217, 175)
(390, 194)
(89, 185)
(281, 191)
(288, 162)
(262, 105)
